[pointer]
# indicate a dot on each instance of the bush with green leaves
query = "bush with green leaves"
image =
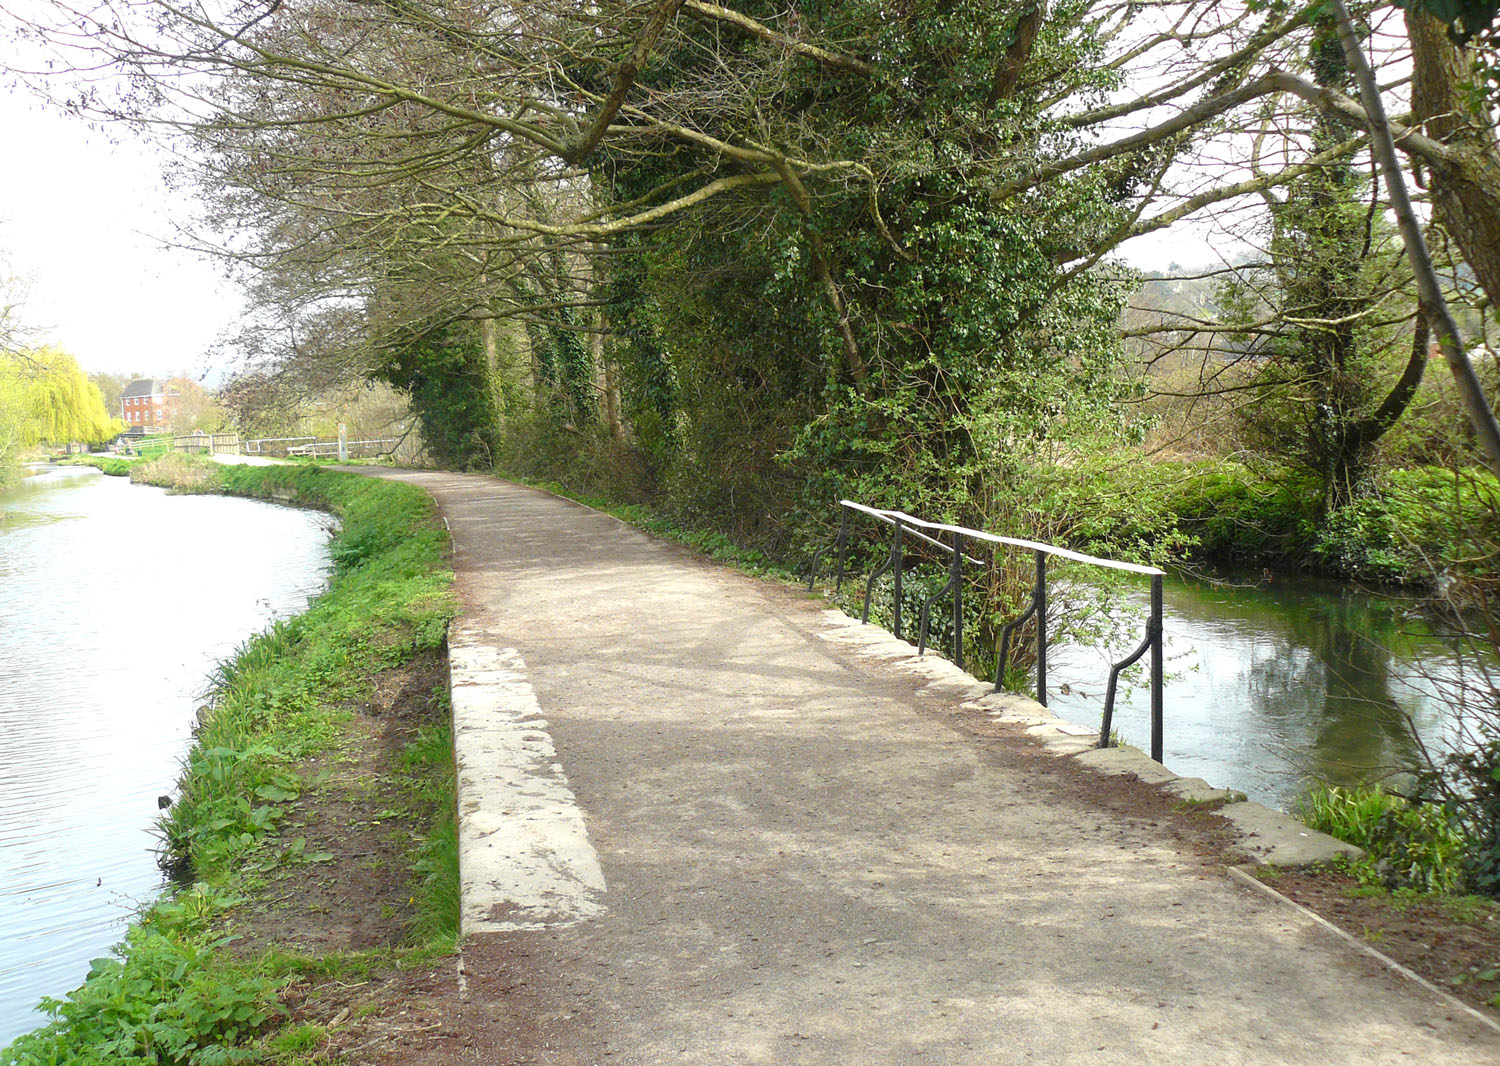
(1411, 525)
(168, 995)
(1473, 777)
(1407, 844)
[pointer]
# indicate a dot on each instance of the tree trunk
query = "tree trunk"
(1430, 291)
(603, 355)
(1467, 196)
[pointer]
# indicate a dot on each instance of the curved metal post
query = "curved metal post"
(838, 576)
(864, 617)
(1114, 677)
(1156, 668)
(838, 546)
(1152, 643)
(880, 571)
(1041, 627)
(1004, 653)
(896, 595)
(926, 615)
(956, 579)
(812, 571)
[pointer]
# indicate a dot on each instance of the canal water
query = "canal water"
(1276, 683)
(116, 600)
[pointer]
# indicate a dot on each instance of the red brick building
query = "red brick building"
(146, 405)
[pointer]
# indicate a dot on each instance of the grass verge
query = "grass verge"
(314, 810)
(109, 465)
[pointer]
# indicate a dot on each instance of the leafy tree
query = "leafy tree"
(110, 387)
(443, 370)
(46, 399)
(1323, 312)
(194, 408)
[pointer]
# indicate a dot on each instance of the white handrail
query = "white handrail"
(994, 538)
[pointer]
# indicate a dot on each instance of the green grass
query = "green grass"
(431, 777)
(110, 465)
(153, 446)
(1407, 845)
(169, 993)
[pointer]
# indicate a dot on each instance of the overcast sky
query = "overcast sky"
(86, 223)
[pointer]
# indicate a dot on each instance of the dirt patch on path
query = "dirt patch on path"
(504, 1002)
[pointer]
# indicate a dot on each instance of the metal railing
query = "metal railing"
(273, 445)
(328, 449)
(904, 525)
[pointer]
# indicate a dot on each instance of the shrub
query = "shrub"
(1412, 525)
(1470, 781)
(1407, 844)
(178, 472)
(166, 996)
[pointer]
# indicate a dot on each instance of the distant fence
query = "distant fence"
(154, 444)
(276, 447)
(354, 449)
(208, 443)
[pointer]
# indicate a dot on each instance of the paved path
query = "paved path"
(802, 859)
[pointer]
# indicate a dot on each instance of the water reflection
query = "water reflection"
(115, 600)
(1273, 686)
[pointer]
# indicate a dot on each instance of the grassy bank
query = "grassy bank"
(109, 465)
(326, 748)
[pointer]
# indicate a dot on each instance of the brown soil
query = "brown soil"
(1454, 944)
(360, 826)
(503, 1009)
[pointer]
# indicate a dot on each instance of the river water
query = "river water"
(1280, 683)
(116, 600)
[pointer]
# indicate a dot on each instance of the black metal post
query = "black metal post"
(1041, 628)
(957, 580)
(896, 560)
(838, 577)
(1156, 669)
(812, 569)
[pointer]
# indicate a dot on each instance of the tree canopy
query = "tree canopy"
(46, 399)
(890, 223)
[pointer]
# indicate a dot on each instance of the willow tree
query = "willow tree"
(46, 399)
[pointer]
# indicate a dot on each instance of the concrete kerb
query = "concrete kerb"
(1268, 837)
(524, 857)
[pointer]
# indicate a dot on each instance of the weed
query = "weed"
(297, 1040)
(1407, 845)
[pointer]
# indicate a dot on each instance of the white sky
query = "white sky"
(85, 222)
